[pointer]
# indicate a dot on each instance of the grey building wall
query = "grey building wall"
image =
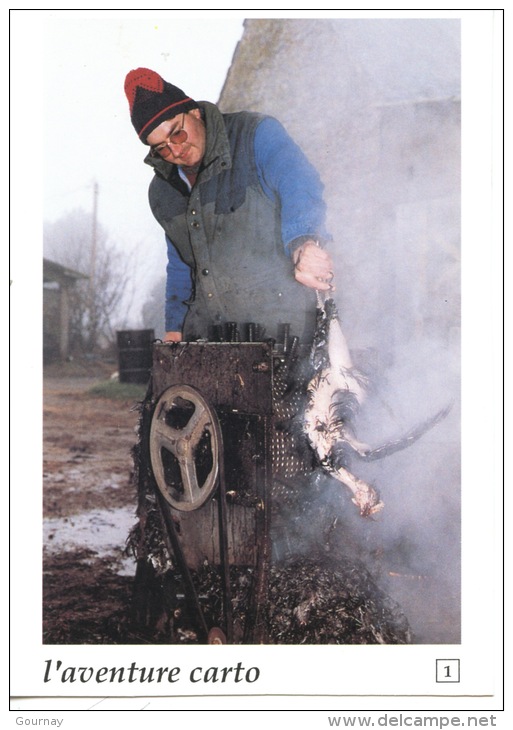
(375, 105)
(58, 285)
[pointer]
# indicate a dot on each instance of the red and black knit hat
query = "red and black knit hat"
(153, 100)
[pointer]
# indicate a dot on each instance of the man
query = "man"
(242, 210)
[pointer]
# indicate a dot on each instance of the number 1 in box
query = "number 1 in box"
(447, 670)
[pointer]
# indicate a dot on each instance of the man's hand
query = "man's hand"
(313, 266)
(173, 337)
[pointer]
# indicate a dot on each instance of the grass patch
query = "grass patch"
(118, 391)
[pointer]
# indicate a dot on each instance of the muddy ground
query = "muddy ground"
(89, 506)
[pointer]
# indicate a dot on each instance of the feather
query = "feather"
(335, 393)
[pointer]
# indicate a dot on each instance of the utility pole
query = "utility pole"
(92, 265)
(92, 270)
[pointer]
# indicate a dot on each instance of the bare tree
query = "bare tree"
(98, 304)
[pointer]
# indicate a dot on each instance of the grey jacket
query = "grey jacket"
(229, 228)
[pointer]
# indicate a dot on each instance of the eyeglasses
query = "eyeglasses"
(179, 136)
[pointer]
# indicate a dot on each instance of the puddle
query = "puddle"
(78, 472)
(103, 531)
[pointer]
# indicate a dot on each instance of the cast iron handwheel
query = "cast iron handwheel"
(185, 427)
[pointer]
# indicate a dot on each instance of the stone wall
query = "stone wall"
(375, 106)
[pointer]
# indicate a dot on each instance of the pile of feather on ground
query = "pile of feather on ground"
(310, 601)
(318, 591)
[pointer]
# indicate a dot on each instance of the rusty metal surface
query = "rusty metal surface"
(236, 376)
(242, 383)
(231, 528)
(236, 380)
(199, 534)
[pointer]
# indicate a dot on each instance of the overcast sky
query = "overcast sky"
(88, 136)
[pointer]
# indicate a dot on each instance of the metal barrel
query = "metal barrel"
(135, 355)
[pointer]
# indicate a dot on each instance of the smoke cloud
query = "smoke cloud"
(375, 105)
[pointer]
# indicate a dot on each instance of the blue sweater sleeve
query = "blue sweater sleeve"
(286, 174)
(178, 289)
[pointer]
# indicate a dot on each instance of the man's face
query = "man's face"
(186, 153)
